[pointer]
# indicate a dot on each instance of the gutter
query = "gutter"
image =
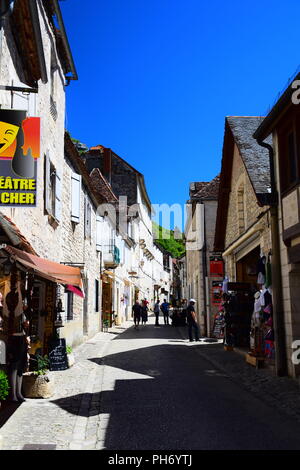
(65, 43)
(38, 38)
(278, 310)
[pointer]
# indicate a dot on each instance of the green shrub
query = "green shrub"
(42, 365)
(69, 349)
(4, 386)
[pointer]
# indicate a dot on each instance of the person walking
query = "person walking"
(156, 312)
(165, 310)
(144, 312)
(192, 321)
(136, 311)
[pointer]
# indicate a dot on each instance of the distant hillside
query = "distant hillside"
(165, 238)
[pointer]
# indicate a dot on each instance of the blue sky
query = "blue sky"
(157, 78)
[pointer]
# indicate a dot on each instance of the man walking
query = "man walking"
(156, 312)
(136, 310)
(192, 320)
(165, 310)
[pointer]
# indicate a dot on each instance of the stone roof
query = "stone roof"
(209, 190)
(15, 236)
(255, 157)
(101, 187)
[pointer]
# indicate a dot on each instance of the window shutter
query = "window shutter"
(76, 191)
(87, 219)
(47, 185)
(99, 230)
(57, 214)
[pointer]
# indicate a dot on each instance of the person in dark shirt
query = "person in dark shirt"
(192, 321)
(165, 310)
(136, 310)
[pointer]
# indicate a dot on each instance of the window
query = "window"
(52, 190)
(241, 209)
(75, 196)
(87, 219)
(289, 152)
(53, 69)
(96, 295)
(69, 302)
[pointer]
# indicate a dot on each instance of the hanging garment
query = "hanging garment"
(6, 291)
(225, 285)
(262, 297)
(267, 297)
(19, 308)
(268, 282)
(261, 270)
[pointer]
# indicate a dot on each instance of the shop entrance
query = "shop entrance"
(107, 302)
(246, 268)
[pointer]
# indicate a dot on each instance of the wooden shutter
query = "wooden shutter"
(87, 219)
(48, 207)
(57, 208)
(75, 196)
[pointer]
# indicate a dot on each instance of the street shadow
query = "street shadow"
(150, 331)
(168, 397)
(7, 409)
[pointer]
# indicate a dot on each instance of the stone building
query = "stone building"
(136, 275)
(36, 65)
(243, 233)
(199, 232)
(282, 125)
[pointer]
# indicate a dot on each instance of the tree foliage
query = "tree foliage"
(166, 239)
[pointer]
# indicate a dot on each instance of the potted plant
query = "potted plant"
(37, 383)
(70, 356)
(4, 386)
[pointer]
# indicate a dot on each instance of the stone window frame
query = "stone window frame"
(241, 207)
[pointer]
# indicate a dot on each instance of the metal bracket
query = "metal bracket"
(17, 88)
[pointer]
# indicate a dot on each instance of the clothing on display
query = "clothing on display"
(261, 270)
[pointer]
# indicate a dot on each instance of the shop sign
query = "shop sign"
(216, 266)
(19, 153)
(216, 296)
(58, 354)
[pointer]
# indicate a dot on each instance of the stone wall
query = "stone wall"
(33, 222)
(240, 183)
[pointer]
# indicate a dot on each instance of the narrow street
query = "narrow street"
(152, 389)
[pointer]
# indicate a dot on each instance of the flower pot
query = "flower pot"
(71, 359)
(37, 386)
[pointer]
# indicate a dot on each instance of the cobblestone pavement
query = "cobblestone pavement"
(64, 420)
(282, 393)
(78, 415)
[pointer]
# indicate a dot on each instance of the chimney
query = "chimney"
(107, 164)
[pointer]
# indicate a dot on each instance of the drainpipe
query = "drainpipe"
(278, 311)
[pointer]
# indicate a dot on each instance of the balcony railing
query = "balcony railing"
(111, 255)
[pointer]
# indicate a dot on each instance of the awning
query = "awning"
(50, 270)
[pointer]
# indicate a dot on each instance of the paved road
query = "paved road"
(150, 389)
